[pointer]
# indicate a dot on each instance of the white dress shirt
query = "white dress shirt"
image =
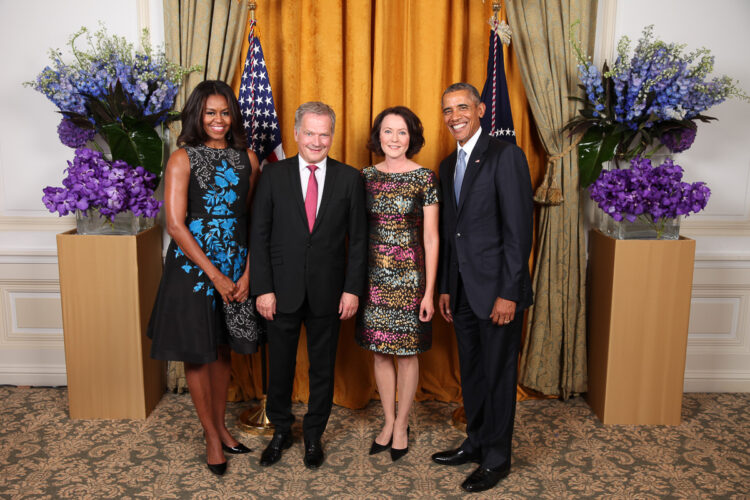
(320, 176)
(468, 148)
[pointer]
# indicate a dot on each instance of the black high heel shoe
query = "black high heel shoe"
(236, 450)
(397, 453)
(218, 469)
(377, 448)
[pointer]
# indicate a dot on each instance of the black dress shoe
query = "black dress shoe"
(484, 478)
(218, 469)
(313, 453)
(455, 457)
(377, 448)
(236, 450)
(397, 453)
(279, 442)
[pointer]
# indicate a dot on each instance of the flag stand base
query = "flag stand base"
(255, 421)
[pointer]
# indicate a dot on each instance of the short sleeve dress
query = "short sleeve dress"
(389, 319)
(187, 322)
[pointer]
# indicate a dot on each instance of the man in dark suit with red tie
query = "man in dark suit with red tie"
(483, 280)
(301, 271)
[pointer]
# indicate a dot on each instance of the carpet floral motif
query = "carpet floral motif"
(560, 450)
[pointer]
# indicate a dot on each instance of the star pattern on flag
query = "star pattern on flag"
(257, 106)
(499, 132)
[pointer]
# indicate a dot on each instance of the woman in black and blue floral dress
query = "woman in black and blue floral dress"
(208, 186)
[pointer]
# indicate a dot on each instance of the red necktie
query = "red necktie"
(311, 199)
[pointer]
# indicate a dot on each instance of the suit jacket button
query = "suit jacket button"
(458, 235)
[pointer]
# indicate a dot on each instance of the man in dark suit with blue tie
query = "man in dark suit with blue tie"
(303, 271)
(483, 280)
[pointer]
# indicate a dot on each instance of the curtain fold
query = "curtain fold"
(553, 357)
(206, 33)
(361, 56)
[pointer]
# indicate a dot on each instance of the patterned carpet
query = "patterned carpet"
(561, 451)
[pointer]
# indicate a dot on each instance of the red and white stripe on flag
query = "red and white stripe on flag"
(256, 104)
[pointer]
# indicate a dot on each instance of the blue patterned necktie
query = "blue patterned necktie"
(460, 171)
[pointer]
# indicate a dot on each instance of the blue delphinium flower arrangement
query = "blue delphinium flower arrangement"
(654, 194)
(651, 98)
(116, 91)
(109, 187)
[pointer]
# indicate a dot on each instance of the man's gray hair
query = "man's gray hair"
(473, 92)
(316, 108)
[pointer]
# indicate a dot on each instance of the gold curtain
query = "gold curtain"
(361, 56)
(209, 34)
(553, 357)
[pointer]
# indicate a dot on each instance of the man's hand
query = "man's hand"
(503, 311)
(444, 304)
(348, 305)
(266, 305)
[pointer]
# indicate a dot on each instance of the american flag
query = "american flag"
(497, 119)
(257, 106)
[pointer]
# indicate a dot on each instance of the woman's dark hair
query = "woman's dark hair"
(193, 133)
(413, 126)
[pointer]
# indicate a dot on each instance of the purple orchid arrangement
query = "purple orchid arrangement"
(92, 182)
(654, 194)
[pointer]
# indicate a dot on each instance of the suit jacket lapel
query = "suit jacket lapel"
(472, 167)
(329, 186)
(296, 186)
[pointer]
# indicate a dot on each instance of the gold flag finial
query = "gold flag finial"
(496, 6)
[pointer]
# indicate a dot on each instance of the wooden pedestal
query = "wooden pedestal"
(638, 313)
(108, 285)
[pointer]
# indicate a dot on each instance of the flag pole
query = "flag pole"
(255, 419)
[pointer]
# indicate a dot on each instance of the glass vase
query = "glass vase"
(92, 222)
(643, 228)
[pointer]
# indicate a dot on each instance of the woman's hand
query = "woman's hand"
(426, 309)
(242, 288)
(225, 287)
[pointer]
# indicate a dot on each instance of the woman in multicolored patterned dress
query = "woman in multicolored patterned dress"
(208, 186)
(395, 321)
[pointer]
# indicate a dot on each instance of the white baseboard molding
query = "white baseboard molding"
(36, 375)
(717, 381)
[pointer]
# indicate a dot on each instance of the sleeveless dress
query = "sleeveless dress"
(187, 322)
(389, 320)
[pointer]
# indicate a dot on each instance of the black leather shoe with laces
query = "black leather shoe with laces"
(279, 442)
(484, 478)
(313, 453)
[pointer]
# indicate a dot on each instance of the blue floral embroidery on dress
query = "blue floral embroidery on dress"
(216, 236)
